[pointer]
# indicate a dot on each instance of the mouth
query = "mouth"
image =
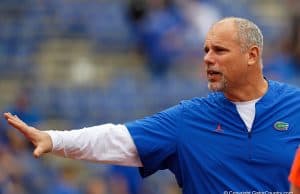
(211, 74)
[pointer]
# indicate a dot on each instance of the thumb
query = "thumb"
(38, 151)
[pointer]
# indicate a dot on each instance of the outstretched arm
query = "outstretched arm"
(41, 140)
(109, 143)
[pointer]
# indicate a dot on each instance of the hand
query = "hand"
(41, 140)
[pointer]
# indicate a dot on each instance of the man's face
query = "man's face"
(225, 64)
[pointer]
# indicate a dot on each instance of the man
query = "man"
(241, 138)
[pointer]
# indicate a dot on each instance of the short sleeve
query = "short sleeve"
(156, 139)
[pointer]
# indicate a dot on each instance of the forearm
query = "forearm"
(109, 144)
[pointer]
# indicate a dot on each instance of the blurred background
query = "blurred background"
(68, 64)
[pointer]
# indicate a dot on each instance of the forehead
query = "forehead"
(223, 33)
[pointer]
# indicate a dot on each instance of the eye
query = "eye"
(206, 49)
(220, 50)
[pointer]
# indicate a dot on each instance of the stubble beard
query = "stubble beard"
(217, 86)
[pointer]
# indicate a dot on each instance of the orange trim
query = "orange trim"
(294, 176)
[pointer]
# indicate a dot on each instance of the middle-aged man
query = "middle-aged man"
(241, 138)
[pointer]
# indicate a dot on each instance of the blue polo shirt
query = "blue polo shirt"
(206, 144)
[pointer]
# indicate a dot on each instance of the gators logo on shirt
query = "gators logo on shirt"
(281, 126)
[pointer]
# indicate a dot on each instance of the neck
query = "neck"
(247, 92)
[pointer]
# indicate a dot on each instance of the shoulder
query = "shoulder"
(209, 101)
(283, 94)
(285, 89)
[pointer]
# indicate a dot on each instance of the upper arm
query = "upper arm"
(156, 138)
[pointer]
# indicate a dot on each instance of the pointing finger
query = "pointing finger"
(21, 126)
(19, 120)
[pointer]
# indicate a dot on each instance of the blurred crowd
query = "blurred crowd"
(67, 64)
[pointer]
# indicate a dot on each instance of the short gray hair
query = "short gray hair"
(248, 33)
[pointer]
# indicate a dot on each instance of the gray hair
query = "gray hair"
(248, 33)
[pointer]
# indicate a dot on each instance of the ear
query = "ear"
(253, 55)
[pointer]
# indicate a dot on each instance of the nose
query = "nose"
(208, 58)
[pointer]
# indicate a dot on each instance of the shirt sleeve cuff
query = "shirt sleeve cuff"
(56, 140)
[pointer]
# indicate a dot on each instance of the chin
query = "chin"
(216, 86)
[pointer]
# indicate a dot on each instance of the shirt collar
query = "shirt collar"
(266, 98)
